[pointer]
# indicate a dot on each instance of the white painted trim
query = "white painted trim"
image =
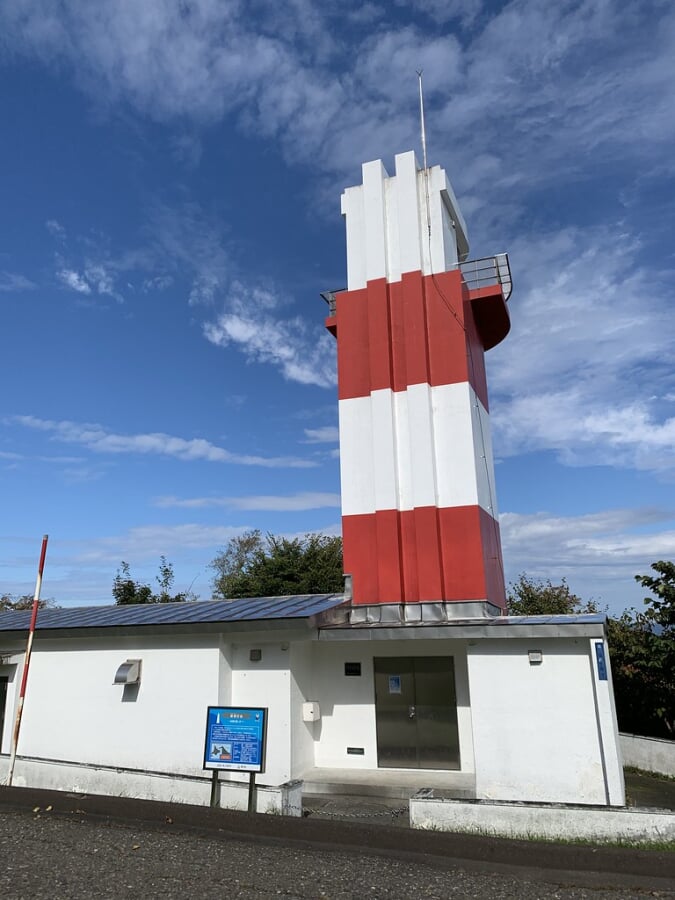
(608, 729)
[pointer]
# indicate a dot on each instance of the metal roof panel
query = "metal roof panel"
(253, 609)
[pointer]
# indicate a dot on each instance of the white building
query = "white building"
(494, 708)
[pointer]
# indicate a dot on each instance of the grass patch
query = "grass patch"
(657, 776)
(665, 846)
(622, 843)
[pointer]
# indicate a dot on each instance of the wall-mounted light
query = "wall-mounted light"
(129, 672)
(536, 657)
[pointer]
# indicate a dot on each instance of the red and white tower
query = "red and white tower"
(419, 513)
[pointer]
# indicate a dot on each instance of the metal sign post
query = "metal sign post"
(236, 739)
(26, 661)
(251, 792)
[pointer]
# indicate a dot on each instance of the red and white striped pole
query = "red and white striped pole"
(26, 661)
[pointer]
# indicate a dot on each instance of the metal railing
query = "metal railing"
(478, 273)
(329, 297)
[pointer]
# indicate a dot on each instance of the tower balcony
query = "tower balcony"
(329, 298)
(488, 281)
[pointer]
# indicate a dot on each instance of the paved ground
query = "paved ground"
(118, 848)
(642, 790)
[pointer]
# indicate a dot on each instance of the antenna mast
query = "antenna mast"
(422, 129)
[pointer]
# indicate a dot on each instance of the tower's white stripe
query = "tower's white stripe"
(419, 447)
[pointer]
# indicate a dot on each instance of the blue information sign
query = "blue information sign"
(602, 662)
(235, 738)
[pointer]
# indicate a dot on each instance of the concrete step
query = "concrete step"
(395, 783)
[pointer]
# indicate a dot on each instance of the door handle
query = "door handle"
(412, 712)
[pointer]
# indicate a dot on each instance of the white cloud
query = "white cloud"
(303, 500)
(56, 229)
(184, 237)
(157, 283)
(187, 148)
(11, 282)
(146, 543)
(96, 438)
(102, 281)
(304, 354)
(328, 434)
(599, 553)
(442, 11)
(96, 279)
(389, 60)
(85, 264)
(544, 83)
(74, 281)
(586, 370)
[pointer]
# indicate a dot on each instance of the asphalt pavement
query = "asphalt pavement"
(74, 846)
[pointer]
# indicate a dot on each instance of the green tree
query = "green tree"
(642, 646)
(126, 590)
(255, 566)
(10, 603)
(530, 596)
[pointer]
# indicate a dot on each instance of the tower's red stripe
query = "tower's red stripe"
(424, 554)
(417, 330)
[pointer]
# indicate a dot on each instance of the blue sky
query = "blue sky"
(170, 175)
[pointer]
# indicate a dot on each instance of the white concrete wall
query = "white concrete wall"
(650, 754)
(532, 820)
(348, 702)
(539, 732)
(302, 690)
(278, 800)
(9, 672)
(267, 683)
(73, 711)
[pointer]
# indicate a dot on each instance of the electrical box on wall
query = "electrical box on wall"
(311, 711)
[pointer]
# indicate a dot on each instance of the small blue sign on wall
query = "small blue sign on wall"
(235, 738)
(601, 660)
